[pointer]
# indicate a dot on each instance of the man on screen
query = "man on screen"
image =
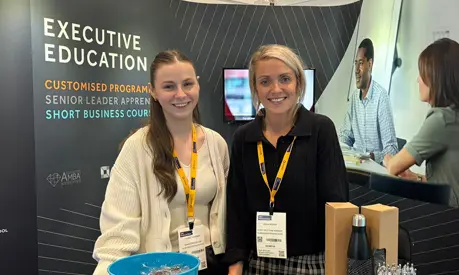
(368, 125)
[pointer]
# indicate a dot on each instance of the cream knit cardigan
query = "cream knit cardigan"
(134, 219)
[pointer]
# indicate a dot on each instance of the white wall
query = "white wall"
(419, 21)
(378, 21)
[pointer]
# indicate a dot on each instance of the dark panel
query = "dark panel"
(225, 36)
(18, 237)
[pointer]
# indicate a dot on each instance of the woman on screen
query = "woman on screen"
(436, 142)
(285, 165)
(149, 199)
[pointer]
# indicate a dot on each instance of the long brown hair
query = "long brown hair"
(439, 69)
(159, 137)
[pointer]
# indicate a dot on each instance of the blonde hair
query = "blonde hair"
(284, 54)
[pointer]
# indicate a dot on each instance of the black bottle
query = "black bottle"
(359, 250)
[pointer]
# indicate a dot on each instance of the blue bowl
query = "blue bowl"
(133, 265)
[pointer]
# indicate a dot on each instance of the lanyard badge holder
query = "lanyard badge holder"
(190, 189)
(192, 242)
(280, 173)
(271, 231)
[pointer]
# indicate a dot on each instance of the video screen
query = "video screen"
(237, 99)
(238, 102)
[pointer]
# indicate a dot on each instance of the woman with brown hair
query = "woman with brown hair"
(169, 180)
(285, 166)
(437, 141)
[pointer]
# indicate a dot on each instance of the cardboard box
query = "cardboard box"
(338, 228)
(382, 229)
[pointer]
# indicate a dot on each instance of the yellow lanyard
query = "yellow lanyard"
(280, 173)
(190, 189)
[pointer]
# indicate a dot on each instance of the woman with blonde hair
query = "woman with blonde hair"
(285, 166)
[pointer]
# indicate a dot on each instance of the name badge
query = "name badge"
(272, 235)
(192, 242)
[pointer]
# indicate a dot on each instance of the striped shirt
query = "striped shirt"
(369, 124)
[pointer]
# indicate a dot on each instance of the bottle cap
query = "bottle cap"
(358, 220)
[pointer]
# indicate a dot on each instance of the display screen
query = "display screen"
(237, 99)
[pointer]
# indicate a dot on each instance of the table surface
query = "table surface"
(369, 166)
(366, 164)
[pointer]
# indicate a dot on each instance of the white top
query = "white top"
(134, 219)
(206, 188)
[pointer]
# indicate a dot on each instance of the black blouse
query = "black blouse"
(315, 174)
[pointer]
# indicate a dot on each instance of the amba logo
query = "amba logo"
(64, 179)
(3, 231)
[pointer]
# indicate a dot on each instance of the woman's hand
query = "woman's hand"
(409, 175)
(386, 160)
(236, 269)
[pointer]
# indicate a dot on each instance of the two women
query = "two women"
(170, 176)
(286, 164)
(436, 142)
